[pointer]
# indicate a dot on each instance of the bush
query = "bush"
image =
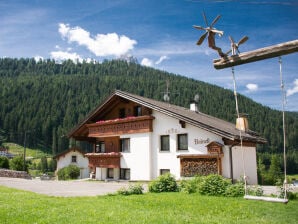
(17, 163)
(132, 189)
(235, 190)
(214, 185)
(68, 172)
(190, 186)
(164, 183)
(4, 162)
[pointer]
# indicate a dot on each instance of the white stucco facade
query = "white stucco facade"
(81, 161)
(145, 159)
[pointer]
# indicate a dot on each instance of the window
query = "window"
(125, 145)
(137, 111)
(100, 147)
(73, 159)
(165, 143)
(125, 174)
(110, 173)
(122, 113)
(182, 142)
(164, 171)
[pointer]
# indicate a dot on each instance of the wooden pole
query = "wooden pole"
(257, 55)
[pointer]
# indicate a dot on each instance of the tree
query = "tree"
(44, 164)
(274, 172)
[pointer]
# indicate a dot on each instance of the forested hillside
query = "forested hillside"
(45, 100)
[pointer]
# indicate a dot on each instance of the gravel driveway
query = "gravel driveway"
(63, 188)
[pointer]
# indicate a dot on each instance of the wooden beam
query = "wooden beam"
(257, 55)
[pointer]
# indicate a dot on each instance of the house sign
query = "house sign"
(198, 141)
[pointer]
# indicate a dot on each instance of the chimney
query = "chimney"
(194, 107)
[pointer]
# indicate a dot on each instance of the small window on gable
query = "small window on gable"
(137, 111)
(73, 159)
(122, 113)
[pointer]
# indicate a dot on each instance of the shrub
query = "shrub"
(213, 185)
(4, 162)
(164, 183)
(17, 163)
(68, 172)
(190, 186)
(132, 189)
(235, 190)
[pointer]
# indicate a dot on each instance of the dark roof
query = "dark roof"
(206, 122)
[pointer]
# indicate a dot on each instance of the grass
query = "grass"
(19, 150)
(25, 207)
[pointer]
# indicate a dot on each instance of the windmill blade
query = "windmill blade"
(215, 20)
(202, 38)
(205, 18)
(232, 40)
(243, 40)
(199, 27)
(228, 52)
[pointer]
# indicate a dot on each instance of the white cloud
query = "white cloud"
(252, 87)
(101, 45)
(161, 59)
(294, 89)
(147, 62)
(62, 55)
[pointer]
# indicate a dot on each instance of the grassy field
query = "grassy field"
(26, 207)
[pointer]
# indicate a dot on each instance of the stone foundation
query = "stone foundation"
(14, 174)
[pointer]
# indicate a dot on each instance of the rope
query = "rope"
(240, 132)
(284, 128)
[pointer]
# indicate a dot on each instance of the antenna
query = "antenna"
(166, 94)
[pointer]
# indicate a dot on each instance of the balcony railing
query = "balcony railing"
(114, 127)
(104, 160)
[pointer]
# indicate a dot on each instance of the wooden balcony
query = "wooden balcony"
(115, 127)
(104, 160)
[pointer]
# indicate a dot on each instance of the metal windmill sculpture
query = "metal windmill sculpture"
(211, 32)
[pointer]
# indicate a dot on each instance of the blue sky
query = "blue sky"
(159, 34)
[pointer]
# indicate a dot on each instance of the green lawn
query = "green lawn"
(26, 207)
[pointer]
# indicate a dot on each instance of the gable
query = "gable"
(110, 109)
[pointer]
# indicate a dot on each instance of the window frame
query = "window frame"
(164, 171)
(74, 159)
(179, 148)
(124, 174)
(122, 142)
(137, 111)
(108, 173)
(162, 149)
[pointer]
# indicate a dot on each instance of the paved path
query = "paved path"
(63, 188)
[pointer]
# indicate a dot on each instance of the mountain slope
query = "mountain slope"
(46, 99)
